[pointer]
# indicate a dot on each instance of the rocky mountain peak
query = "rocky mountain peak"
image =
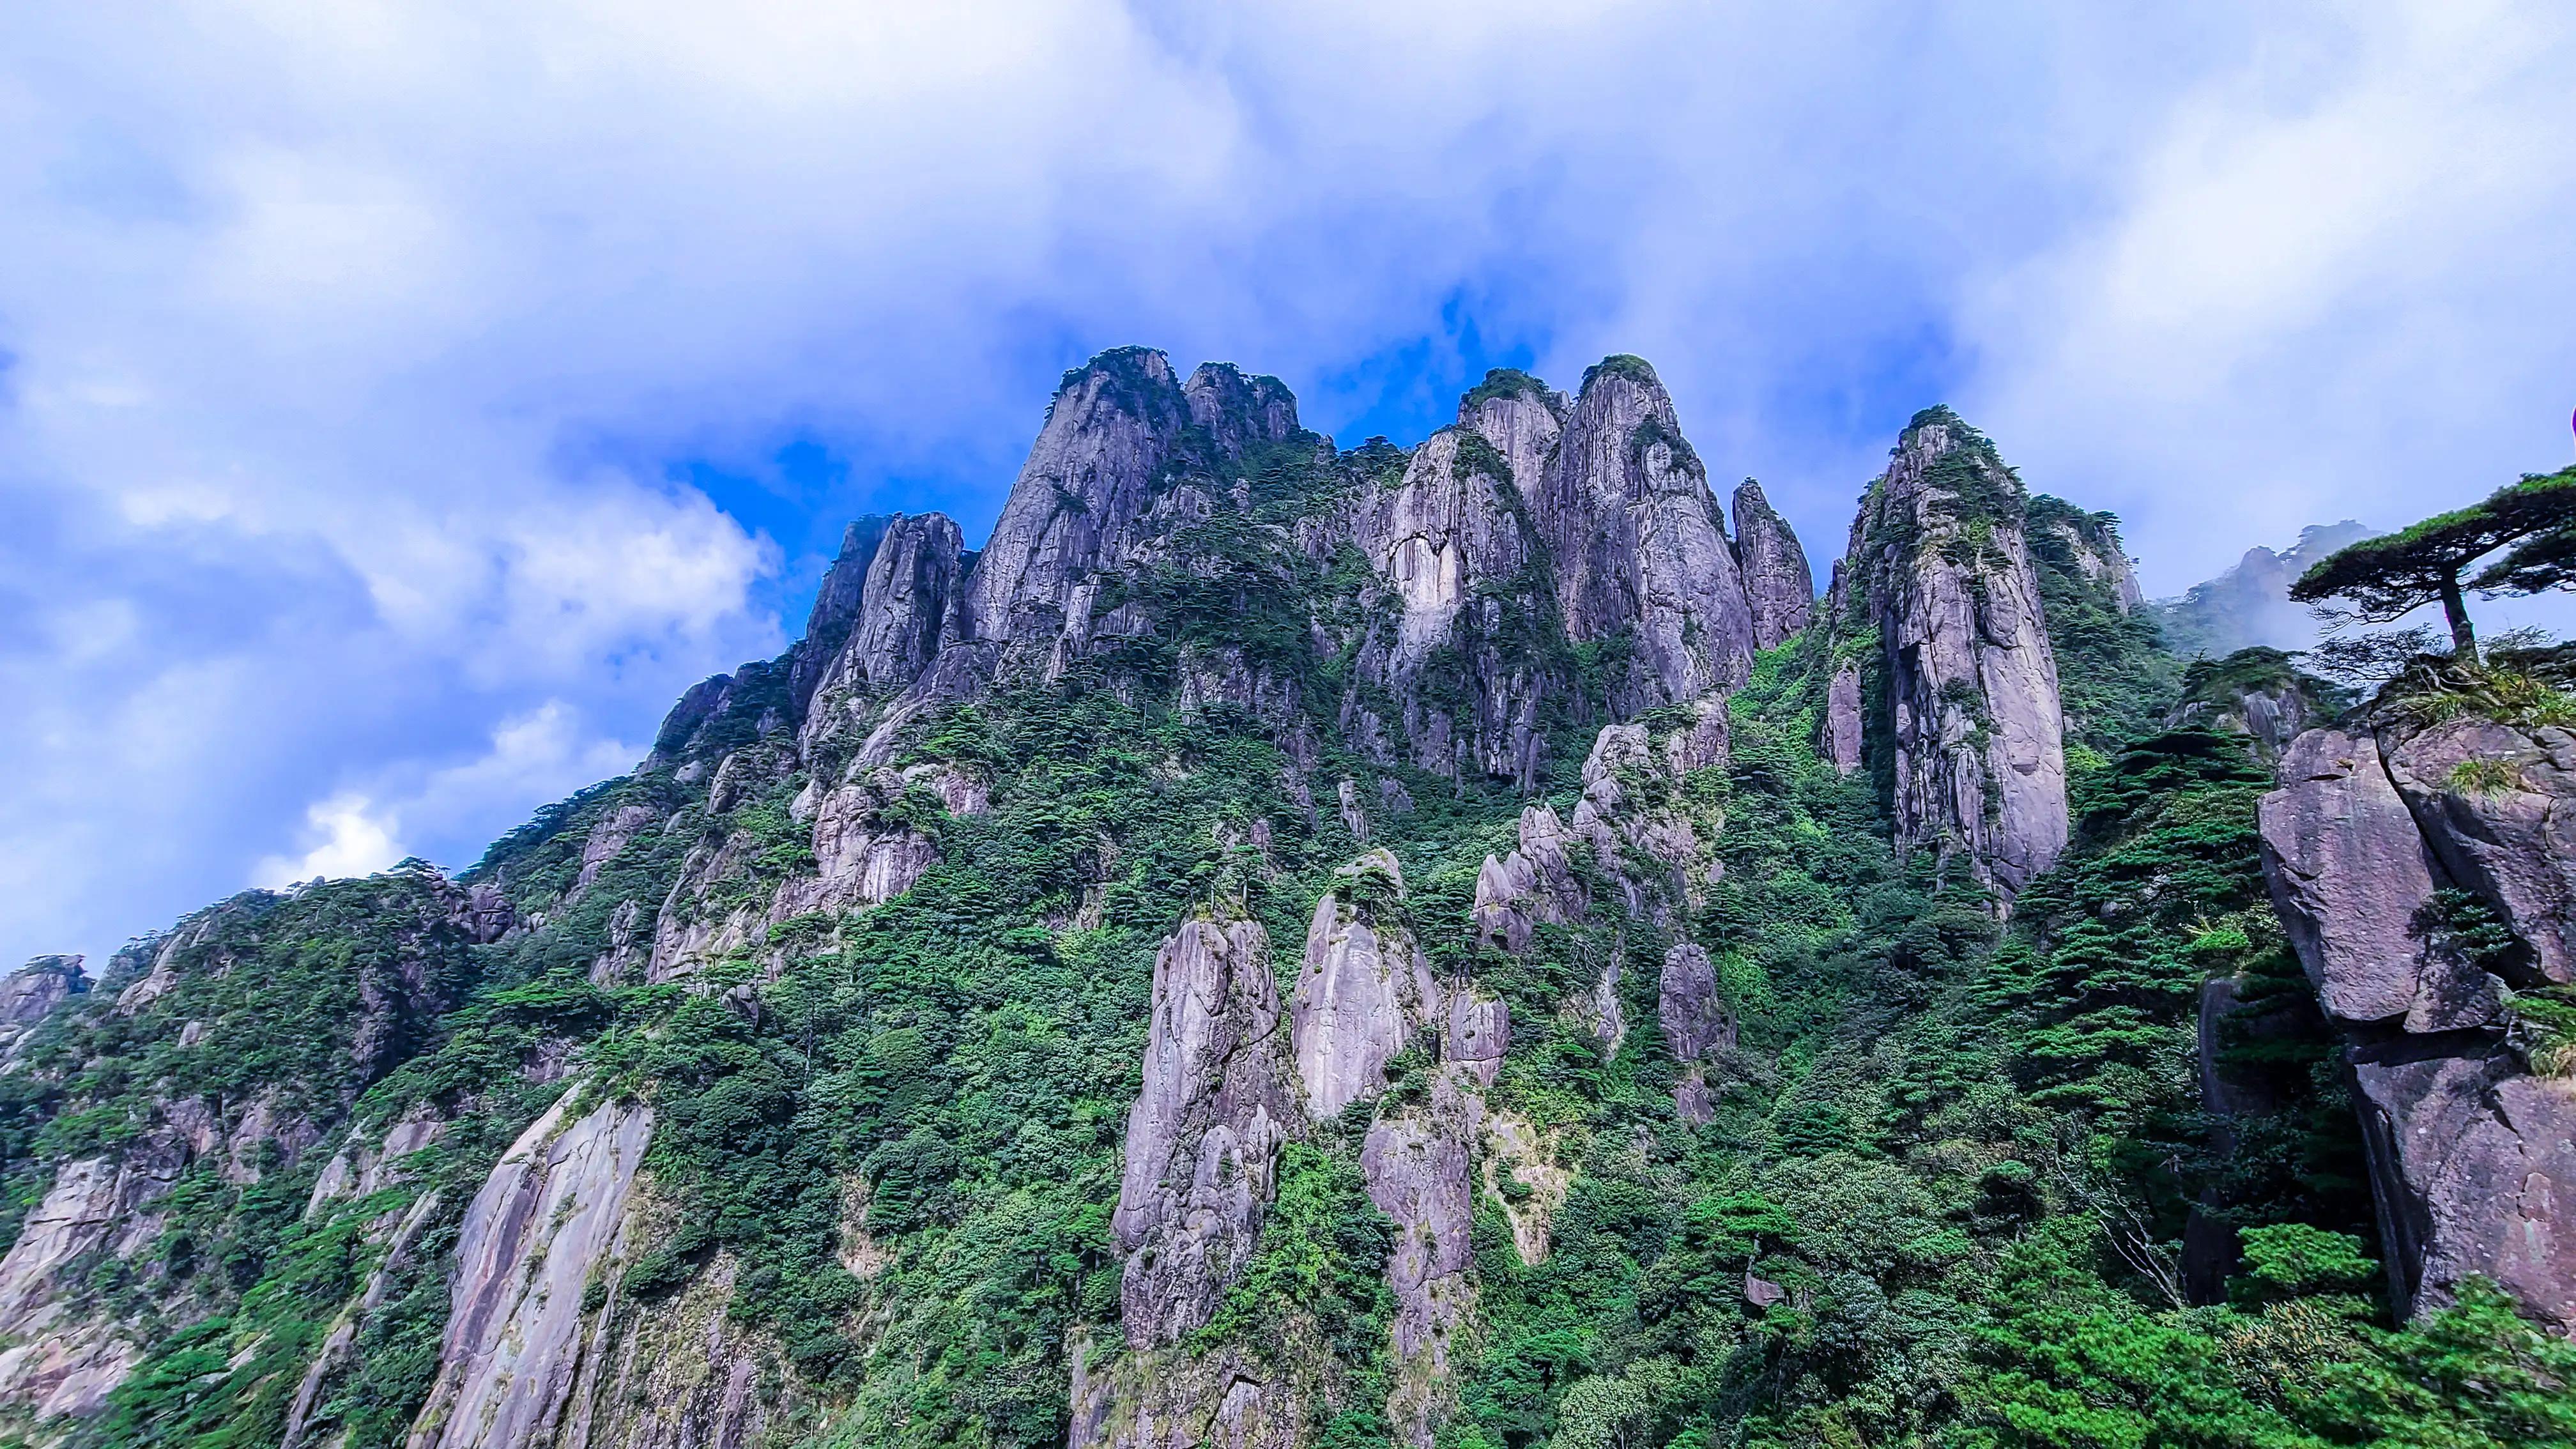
(1237, 409)
(1114, 423)
(1640, 547)
(1940, 568)
(1778, 586)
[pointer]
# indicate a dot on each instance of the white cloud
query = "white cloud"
(2323, 291)
(348, 839)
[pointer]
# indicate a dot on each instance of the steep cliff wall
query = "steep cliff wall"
(2421, 873)
(1939, 568)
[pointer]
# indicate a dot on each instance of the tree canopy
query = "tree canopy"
(2384, 578)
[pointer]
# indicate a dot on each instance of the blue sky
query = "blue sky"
(403, 402)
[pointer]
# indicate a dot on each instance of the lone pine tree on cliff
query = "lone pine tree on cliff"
(2382, 579)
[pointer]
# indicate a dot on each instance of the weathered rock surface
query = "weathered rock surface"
(2352, 880)
(1452, 544)
(2470, 1159)
(2497, 806)
(543, 1224)
(1693, 1015)
(1779, 588)
(905, 610)
(1419, 1162)
(66, 1364)
(1203, 1136)
(1639, 546)
(29, 994)
(1228, 1398)
(1841, 744)
(1364, 991)
(1534, 884)
(2470, 1153)
(836, 609)
(1939, 563)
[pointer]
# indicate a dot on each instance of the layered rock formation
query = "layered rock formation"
(533, 1238)
(1203, 1137)
(1778, 587)
(2373, 846)
(1640, 550)
(1940, 570)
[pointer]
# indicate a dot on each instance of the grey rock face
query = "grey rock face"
(1239, 410)
(1634, 816)
(1364, 991)
(1939, 555)
(1449, 541)
(1203, 1137)
(1778, 587)
(1091, 474)
(1841, 744)
(545, 1220)
(2351, 879)
(1232, 1397)
(905, 610)
(30, 993)
(1534, 884)
(1640, 549)
(2469, 1156)
(62, 1364)
(2099, 559)
(1694, 1019)
(1419, 1163)
(836, 608)
(2498, 807)
(2466, 1147)
(1524, 422)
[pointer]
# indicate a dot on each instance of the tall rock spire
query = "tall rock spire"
(1640, 549)
(1939, 566)
(1114, 422)
(1777, 586)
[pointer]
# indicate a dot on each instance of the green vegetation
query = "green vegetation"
(1956, 1185)
(2384, 578)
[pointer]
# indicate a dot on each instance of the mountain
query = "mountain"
(2249, 605)
(1288, 945)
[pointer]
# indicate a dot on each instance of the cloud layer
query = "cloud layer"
(402, 402)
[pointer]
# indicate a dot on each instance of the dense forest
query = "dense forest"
(1744, 1070)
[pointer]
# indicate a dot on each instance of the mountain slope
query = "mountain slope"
(1284, 945)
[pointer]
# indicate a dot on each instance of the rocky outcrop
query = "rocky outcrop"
(1534, 884)
(1114, 422)
(1696, 1023)
(1779, 589)
(1939, 566)
(2498, 808)
(1643, 829)
(1203, 1136)
(1228, 1398)
(29, 994)
(2470, 1151)
(904, 612)
(1841, 741)
(1364, 991)
(1640, 550)
(2088, 546)
(836, 609)
(63, 1360)
(1452, 543)
(1239, 410)
(534, 1237)
(1420, 1165)
(2353, 882)
(2258, 693)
